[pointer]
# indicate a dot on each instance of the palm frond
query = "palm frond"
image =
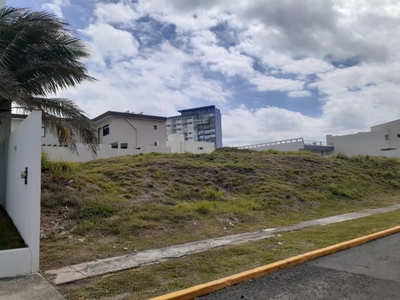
(39, 56)
(66, 119)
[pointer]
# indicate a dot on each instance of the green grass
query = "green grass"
(96, 209)
(184, 272)
(9, 235)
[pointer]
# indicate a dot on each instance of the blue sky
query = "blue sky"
(276, 69)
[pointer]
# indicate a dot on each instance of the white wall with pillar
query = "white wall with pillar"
(22, 195)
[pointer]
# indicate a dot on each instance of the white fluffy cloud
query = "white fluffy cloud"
(55, 7)
(108, 42)
(346, 51)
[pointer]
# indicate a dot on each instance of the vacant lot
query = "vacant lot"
(114, 206)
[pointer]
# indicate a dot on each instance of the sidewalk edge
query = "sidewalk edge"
(212, 286)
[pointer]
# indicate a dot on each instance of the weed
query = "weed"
(55, 167)
(212, 194)
(342, 156)
(96, 210)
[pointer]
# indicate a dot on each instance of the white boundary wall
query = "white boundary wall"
(22, 201)
(104, 151)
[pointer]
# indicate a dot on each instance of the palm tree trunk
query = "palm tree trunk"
(5, 129)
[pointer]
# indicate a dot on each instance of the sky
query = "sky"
(276, 69)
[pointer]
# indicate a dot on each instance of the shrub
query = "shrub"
(55, 167)
(341, 155)
(96, 210)
(212, 194)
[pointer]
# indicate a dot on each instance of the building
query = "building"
(381, 140)
(297, 144)
(201, 124)
(127, 130)
(119, 130)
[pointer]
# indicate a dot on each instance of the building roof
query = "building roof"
(127, 115)
(202, 107)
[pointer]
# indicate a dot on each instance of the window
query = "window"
(200, 148)
(106, 129)
(155, 144)
(124, 145)
(398, 135)
(114, 145)
(43, 131)
(386, 137)
(155, 127)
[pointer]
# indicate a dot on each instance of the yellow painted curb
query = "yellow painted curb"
(209, 287)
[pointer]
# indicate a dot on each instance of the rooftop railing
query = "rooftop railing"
(272, 143)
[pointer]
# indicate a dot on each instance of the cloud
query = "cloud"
(268, 124)
(270, 83)
(113, 13)
(54, 9)
(161, 56)
(306, 66)
(299, 94)
(108, 42)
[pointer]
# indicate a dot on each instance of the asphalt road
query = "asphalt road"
(369, 271)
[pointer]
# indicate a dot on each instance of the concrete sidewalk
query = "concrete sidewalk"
(137, 259)
(29, 287)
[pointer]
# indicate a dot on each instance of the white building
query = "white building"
(130, 131)
(382, 140)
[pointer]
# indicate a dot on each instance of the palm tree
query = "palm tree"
(38, 57)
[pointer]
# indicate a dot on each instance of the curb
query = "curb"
(212, 286)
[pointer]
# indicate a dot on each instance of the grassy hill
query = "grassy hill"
(113, 206)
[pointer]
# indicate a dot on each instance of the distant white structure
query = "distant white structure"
(296, 144)
(382, 140)
(178, 144)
